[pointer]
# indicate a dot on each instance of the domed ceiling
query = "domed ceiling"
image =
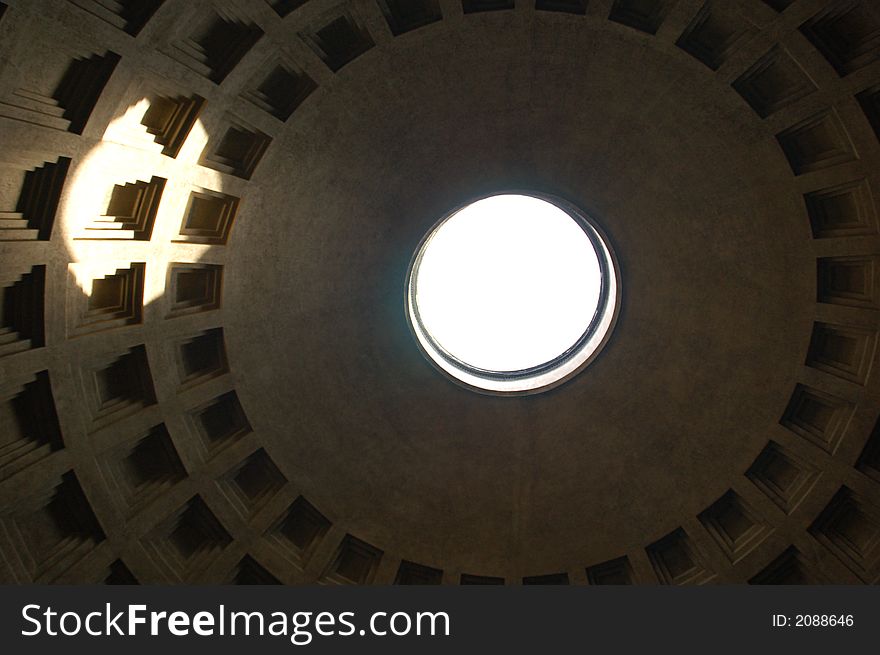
(209, 209)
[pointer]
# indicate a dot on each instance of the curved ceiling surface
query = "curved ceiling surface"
(265, 413)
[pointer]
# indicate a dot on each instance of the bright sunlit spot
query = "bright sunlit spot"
(508, 283)
(126, 154)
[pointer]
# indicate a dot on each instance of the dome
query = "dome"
(209, 215)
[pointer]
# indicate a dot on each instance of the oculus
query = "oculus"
(512, 293)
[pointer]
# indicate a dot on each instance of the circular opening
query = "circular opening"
(513, 293)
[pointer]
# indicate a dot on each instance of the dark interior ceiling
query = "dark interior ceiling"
(206, 373)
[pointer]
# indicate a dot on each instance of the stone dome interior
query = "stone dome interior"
(207, 213)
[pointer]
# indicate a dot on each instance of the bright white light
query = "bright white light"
(508, 283)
